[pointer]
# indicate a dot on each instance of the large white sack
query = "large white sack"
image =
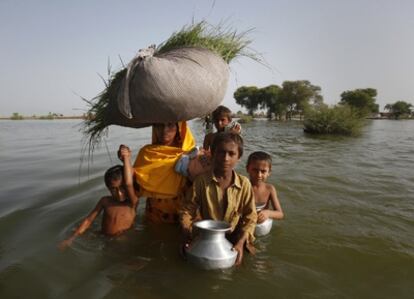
(180, 84)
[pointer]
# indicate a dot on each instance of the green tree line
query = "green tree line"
(303, 99)
(297, 97)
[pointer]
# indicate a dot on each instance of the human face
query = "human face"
(165, 133)
(225, 156)
(258, 171)
(117, 189)
(221, 122)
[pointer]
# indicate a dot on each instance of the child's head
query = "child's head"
(114, 181)
(259, 166)
(166, 134)
(221, 117)
(226, 150)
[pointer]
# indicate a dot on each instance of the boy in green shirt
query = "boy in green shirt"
(223, 194)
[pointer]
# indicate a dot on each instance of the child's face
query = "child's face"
(221, 122)
(258, 170)
(165, 133)
(226, 156)
(117, 189)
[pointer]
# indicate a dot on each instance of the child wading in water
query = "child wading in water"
(119, 208)
(222, 122)
(259, 166)
(222, 194)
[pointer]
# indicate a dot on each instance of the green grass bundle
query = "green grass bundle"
(226, 43)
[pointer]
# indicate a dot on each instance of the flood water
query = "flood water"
(348, 230)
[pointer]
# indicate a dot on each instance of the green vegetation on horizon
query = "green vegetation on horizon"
(304, 99)
(399, 109)
(294, 97)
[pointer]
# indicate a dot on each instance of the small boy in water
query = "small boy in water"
(119, 208)
(222, 122)
(259, 165)
(222, 194)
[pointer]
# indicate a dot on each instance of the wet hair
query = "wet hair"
(114, 173)
(221, 111)
(260, 156)
(224, 137)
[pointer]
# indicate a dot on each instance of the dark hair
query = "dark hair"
(221, 110)
(114, 173)
(260, 156)
(224, 137)
(161, 126)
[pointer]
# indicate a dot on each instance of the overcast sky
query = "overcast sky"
(51, 52)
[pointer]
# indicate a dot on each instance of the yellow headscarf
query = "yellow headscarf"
(154, 166)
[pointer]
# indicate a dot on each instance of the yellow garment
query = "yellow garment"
(154, 166)
(162, 210)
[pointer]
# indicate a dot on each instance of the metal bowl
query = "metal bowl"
(263, 228)
(210, 249)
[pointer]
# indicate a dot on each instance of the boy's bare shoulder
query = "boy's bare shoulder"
(105, 200)
(270, 187)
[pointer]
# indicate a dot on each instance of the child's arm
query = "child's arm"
(277, 213)
(125, 156)
(248, 222)
(86, 223)
(187, 211)
(207, 141)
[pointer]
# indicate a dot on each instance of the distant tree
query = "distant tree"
(248, 97)
(399, 108)
(298, 95)
(16, 116)
(269, 99)
(362, 100)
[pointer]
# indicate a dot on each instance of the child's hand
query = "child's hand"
(124, 152)
(186, 243)
(262, 216)
(239, 249)
(236, 128)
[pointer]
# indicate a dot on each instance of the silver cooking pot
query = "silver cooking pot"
(264, 227)
(210, 249)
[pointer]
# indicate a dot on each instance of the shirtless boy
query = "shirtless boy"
(259, 165)
(119, 208)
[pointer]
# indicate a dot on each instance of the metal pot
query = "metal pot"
(210, 249)
(264, 227)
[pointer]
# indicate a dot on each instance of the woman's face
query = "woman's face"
(165, 133)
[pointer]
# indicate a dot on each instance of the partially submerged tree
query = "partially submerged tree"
(16, 116)
(399, 108)
(248, 97)
(361, 100)
(298, 95)
(293, 98)
(271, 101)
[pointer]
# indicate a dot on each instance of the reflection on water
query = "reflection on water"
(348, 232)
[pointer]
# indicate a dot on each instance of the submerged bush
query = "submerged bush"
(337, 120)
(245, 119)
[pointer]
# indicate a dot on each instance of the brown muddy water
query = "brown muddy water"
(348, 231)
